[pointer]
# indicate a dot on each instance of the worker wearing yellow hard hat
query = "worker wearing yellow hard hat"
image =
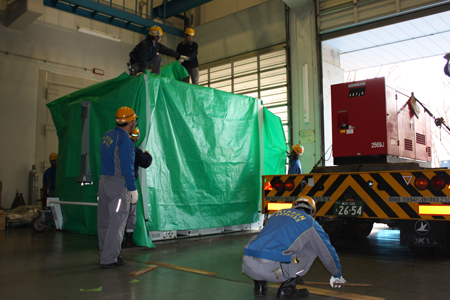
(286, 248)
(295, 166)
(189, 48)
(49, 180)
(116, 188)
(148, 53)
(144, 160)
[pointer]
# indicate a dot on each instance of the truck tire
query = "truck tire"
(357, 229)
(333, 229)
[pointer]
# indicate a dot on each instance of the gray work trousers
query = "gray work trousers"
(155, 63)
(274, 271)
(131, 222)
(193, 74)
(112, 212)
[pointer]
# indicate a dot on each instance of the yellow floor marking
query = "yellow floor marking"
(144, 270)
(347, 284)
(182, 268)
(333, 293)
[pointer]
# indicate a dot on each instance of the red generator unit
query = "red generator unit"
(373, 123)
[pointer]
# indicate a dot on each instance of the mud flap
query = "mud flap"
(424, 233)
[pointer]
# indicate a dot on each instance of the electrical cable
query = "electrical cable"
(46, 61)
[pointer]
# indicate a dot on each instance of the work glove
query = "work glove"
(140, 73)
(185, 58)
(181, 60)
(134, 196)
(337, 282)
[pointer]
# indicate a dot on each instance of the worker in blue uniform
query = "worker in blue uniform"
(295, 166)
(146, 54)
(144, 160)
(286, 248)
(117, 187)
(49, 180)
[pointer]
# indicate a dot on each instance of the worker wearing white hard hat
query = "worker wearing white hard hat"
(286, 248)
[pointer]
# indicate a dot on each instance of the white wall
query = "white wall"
(255, 28)
(306, 116)
(51, 43)
(217, 9)
(332, 74)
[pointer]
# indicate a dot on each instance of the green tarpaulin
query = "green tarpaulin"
(205, 143)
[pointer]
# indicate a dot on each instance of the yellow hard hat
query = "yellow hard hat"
(306, 202)
(298, 149)
(135, 135)
(156, 31)
(125, 114)
(190, 32)
(53, 156)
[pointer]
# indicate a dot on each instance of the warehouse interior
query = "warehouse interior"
(286, 53)
(50, 58)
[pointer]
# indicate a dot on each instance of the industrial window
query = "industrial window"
(258, 75)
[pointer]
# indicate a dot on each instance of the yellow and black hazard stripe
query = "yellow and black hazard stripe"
(385, 195)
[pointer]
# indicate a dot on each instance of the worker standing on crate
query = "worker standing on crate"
(286, 248)
(144, 160)
(146, 54)
(295, 166)
(189, 48)
(116, 188)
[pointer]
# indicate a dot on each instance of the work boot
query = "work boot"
(260, 288)
(129, 240)
(288, 290)
(118, 263)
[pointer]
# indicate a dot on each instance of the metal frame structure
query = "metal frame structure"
(126, 17)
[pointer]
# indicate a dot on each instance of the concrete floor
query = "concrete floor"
(56, 265)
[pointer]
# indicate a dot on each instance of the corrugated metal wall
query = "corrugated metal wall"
(335, 15)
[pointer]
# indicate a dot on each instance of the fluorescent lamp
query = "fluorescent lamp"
(99, 34)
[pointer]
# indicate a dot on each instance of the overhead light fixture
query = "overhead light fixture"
(99, 34)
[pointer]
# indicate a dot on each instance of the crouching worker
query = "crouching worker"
(286, 248)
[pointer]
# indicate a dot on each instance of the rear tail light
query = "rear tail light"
(278, 184)
(421, 183)
(289, 185)
(437, 182)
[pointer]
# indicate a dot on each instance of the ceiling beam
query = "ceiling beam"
(109, 15)
(175, 7)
